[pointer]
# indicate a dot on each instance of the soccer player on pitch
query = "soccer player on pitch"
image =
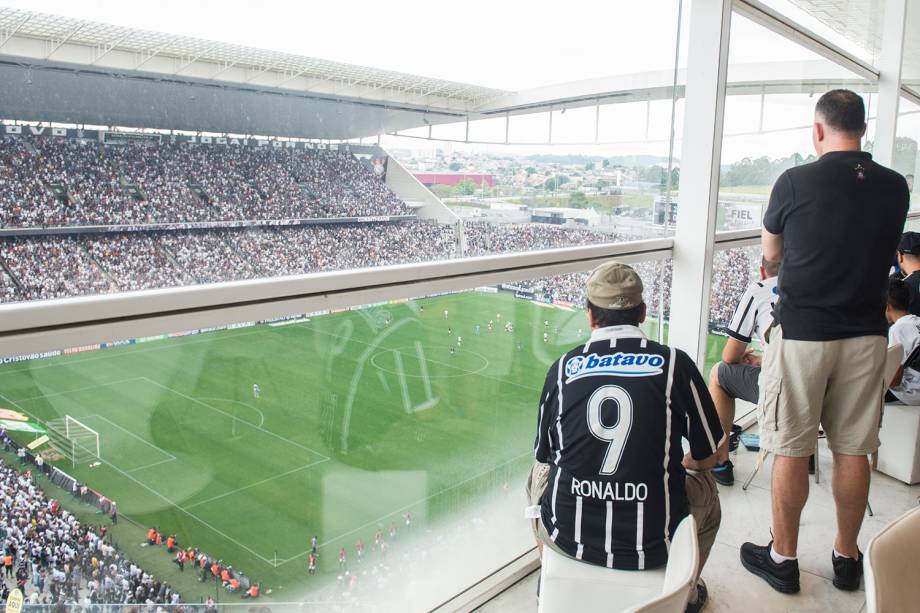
(256, 391)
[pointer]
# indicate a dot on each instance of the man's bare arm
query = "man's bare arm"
(734, 351)
(772, 245)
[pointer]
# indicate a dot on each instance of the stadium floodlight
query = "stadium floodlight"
(73, 439)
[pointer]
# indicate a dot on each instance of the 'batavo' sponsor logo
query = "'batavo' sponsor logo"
(622, 364)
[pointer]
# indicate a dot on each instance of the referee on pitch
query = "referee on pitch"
(611, 480)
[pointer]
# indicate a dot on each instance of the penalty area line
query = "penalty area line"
(164, 498)
(251, 485)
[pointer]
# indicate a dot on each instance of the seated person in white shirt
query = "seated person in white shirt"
(904, 331)
(737, 374)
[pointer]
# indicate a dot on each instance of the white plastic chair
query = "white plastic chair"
(890, 573)
(568, 585)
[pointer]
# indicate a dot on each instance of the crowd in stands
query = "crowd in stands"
(60, 266)
(9, 291)
(57, 181)
(733, 271)
(57, 560)
(135, 261)
(488, 238)
(51, 266)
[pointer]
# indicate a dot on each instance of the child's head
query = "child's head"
(898, 300)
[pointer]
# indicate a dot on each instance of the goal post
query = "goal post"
(73, 439)
(82, 435)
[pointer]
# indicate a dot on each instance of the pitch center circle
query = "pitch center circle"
(409, 353)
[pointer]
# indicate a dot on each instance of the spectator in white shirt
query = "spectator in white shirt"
(904, 331)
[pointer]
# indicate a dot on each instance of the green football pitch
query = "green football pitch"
(362, 416)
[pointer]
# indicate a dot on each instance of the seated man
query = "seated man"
(611, 481)
(904, 331)
(909, 264)
(736, 376)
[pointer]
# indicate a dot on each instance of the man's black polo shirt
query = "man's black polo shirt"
(841, 218)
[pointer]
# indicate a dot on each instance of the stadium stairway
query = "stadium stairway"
(14, 278)
(99, 267)
(169, 256)
(225, 238)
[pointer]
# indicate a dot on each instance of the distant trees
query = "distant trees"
(466, 187)
(759, 171)
(589, 165)
(554, 183)
(454, 166)
(578, 200)
(658, 174)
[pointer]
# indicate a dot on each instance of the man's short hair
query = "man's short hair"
(898, 295)
(771, 268)
(619, 317)
(843, 110)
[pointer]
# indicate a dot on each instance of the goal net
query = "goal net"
(73, 439)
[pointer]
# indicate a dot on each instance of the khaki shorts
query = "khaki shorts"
(702, 498)
(838, 384)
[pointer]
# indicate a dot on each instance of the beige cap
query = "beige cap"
(614, 286)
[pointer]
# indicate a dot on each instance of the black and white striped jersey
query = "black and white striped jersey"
(613, 414)
(754, 313)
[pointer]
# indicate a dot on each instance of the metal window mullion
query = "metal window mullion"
(889, 82)
(707, 69)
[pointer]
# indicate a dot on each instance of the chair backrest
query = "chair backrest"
(892, 361)
(680, 574)
(891, 577)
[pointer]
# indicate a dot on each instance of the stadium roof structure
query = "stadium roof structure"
(85, 72)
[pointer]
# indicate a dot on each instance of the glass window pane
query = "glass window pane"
(733, 271)
(906, 158)
(400, 432)
(769, 112)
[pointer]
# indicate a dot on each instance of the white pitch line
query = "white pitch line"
(408, 506)
(79, 389)
(251, 485)
(129, 433)
(205, 404)
(245, 404)
(162, 497)
(151, 465)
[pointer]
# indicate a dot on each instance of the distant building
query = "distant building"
(452, 178)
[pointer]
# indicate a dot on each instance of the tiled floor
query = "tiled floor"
(746, 516)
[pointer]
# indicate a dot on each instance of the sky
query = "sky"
(511, 45)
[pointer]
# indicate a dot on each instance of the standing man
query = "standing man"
(834, 224)
(737, 374)
(611, 481)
